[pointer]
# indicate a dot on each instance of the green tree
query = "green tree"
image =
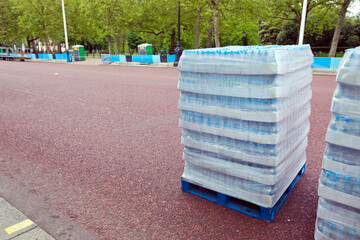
(39, 18)
(320, 26)
(353, 41)
(334, 43)
(291, 10)
(134, 40)
(8, 23)
(288, 34)
(268, 31)
(351, 27)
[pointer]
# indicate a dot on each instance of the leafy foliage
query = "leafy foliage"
(134, 40)
(122, 25)
(288, 34)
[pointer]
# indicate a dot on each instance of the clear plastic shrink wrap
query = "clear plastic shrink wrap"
(338, 215)
(245, 118)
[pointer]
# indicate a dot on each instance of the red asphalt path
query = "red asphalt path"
(101, 144)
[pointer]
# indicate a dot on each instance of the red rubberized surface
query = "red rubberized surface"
(102, 145)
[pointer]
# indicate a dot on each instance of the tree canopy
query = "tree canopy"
(118, 26)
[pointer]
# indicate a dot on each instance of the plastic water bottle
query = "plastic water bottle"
(221, 103)
(254, 127)
(273, 104)
(353, 126)
(326, 178)
(337, 183)
(320, 225)
(184, 115)
(329, 152)
(332, 232)
(195, 98)
(214, 100)
(353, 235)
(208, 119)
(346, 125)
(272, 150)
(203, 99)
(265, 106)
(236, 125)
(201, 118)
(182, 97)
(347, 184)
(356, 188)
(251, 104)
(351, 156)
(187, 116)
(326, 230)
(237, 103)
(217, 121)
(265, 150)
(341, 230)
(228, 102)
(260, 104)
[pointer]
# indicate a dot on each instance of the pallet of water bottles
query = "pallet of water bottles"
(245, 119)
(243, 206)
(338, 214)
(336, 221)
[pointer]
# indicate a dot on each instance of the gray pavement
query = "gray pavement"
(15, 225)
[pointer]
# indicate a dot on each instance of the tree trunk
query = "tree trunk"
(198, 28)
(211, 29)
(123, 43)
(117, 46)
(33, 46)
(46, 40)
(110, 44)
(336, 37)
(172, 42)
(28, 42)
(217, 39)
(59, 48)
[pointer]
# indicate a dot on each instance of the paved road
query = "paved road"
(101, 145)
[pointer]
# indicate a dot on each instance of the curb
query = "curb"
(46, 217)
(324, 71)
(15, 225)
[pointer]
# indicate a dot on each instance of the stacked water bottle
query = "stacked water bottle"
(338, 215)
(245, 118)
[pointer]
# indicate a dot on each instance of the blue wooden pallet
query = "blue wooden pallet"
(266, 214)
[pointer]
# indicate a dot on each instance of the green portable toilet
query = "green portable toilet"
(79, 52)
(145, 49)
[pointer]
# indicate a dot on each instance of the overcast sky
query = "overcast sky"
(355, 8)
